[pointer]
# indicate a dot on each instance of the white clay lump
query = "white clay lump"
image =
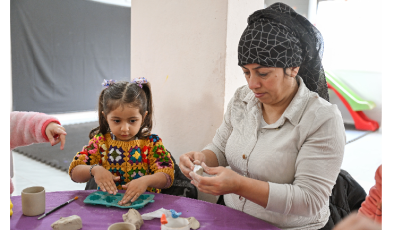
(198, 169)
(133, 217)
(193, 223)
(73, 222)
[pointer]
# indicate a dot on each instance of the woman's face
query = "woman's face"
(269, 84)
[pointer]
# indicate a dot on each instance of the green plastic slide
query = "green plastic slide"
(352, 98)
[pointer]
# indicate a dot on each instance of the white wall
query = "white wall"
(184, 48)
(352, 35)
(238, 12)
(179, 46)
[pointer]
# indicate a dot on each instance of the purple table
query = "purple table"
(211, 216)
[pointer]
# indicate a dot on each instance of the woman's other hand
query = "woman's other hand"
(105, 180)
(56, 133)
(225, 180)
(188, 160)
(134, 189)
(357, 222)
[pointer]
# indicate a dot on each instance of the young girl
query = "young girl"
(122, 154)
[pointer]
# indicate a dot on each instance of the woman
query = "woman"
(282, 139)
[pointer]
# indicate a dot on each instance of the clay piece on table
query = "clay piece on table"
(175, 214)
(193, 223)
(133, 217)
(198, 169)
(73, 222)
(125, 204)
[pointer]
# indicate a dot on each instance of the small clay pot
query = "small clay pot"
(176, 224)
(33, 201)
(122, 226)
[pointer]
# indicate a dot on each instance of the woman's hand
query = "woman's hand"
(225, 180)
(56, 133)
(188, 160)
(134, 189)
(105, 180)
(357, 222)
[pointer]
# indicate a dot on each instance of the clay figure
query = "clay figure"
(73, 222)
(133, 217)
(198, 169)
(193, 223)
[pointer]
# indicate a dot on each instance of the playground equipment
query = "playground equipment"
(354, 104)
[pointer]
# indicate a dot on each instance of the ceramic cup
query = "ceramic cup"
(33, 201)
(176, 224)
(122, 226)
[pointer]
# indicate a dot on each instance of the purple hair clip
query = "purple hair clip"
(107, 83)
(140, 81)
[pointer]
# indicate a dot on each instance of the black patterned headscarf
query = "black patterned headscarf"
(279, 37)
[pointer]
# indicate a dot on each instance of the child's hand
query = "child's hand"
(134, 189)
(56, 133)
(105, 180)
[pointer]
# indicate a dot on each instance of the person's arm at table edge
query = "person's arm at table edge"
(227, 181)
(254, 190)
(81, 173)
(79, 170)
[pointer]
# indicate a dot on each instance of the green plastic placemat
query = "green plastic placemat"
(104, 198)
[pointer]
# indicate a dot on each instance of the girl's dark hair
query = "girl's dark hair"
(120, 94)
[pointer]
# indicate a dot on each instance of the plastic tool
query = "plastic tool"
(62, 205)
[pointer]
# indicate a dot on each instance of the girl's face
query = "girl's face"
(269, 84)
(125, 122)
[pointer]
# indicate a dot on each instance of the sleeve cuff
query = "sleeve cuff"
(170, 173)
(219, 154)
(169, 181)
(277, 201)
(73, 164)
(44, 126)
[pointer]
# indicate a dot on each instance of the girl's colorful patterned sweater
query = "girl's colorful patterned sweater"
(129, 160)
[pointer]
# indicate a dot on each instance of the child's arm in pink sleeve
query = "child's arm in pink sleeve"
(372, 206)
(28, 127)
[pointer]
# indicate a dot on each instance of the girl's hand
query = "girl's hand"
(105, 180)
(225, 180)
(134, 189)
(188, 160)
(56, 133)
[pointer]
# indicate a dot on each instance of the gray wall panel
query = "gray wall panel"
(63, 49)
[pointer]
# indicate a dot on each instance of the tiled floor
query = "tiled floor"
(362, 158)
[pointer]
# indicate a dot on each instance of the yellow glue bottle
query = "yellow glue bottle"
(11, 205)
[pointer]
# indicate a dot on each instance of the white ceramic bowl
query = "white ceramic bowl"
(176, 224)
